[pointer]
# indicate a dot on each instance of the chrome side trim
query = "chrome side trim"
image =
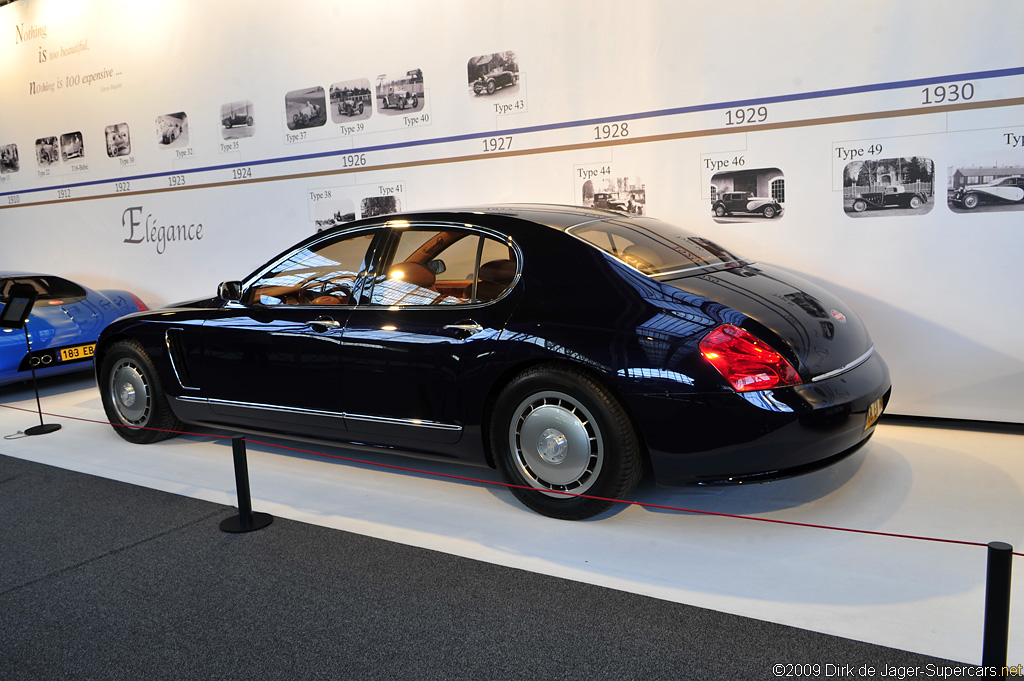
(415, 423)
(842, 370)
(274, 408)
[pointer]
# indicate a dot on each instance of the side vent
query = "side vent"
(176, 351)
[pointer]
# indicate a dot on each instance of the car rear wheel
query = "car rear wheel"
(557, 430)
(133, 397)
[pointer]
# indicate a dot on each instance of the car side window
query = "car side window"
(323, 273)
(437, 265)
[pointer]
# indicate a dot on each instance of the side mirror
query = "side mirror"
(230, 291)
(437, 267)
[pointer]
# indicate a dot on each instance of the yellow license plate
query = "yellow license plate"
(77, 352)
(874, 411)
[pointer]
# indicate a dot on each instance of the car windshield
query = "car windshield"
(654, 247)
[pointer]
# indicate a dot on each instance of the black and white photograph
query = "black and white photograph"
(118, 140)
(71, 146)
(236, 120)
(889, 186)
(47, 152)
(985, 188)
(172, 129)
(491, 73)
(372, 206)
(351, 100)
(626, 194)
(748, 195)
(332, 213)
(9, 162)
(400, 93)
(306, 108)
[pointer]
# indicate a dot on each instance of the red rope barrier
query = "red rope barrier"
(462, 478)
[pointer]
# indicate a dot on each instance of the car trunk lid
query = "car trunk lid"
(810, 326)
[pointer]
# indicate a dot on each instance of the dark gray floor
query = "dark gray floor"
(104, 580)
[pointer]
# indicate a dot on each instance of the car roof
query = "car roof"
(556, 216)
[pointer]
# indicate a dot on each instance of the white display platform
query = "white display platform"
(915, 595)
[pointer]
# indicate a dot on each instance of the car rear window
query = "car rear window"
(48, 289)
(654, 247)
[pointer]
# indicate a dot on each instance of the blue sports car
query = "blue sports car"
(63, 326)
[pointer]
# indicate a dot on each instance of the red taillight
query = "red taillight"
(138, 302)
(745, 361)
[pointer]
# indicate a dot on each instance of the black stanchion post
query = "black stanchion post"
(997, 605)
(246, 520)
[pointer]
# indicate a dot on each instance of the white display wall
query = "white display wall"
(163, 148)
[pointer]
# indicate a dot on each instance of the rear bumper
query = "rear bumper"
(728, 437)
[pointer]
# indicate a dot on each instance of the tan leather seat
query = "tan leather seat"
(494, 277)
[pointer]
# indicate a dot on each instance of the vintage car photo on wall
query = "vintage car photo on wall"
(237, 120)
(889, 186)
(9, 161)
(573, 349)
(47, 153)
(306, 108)
(620, 193)
(72, 146)
(400, 93)
(172, 130)
(748, 195)
(489, 73)
(118, 140)
(351, 101)
(984, 189)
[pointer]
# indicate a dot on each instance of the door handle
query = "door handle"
(464, 329)
(324, 324)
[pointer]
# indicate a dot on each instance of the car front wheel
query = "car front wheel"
(970, 201)
(557, 430)
(769, 212)
(720, 211)
(133, 397)
(915, 202)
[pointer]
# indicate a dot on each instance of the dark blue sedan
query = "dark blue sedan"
(63, 326)
(571, 348)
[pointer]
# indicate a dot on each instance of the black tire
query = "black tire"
(769, 212)
(915, 202)
(970, 201)
(557, 429)
(133, 397)
(720, 211)
(491, 86)
(860, 205)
